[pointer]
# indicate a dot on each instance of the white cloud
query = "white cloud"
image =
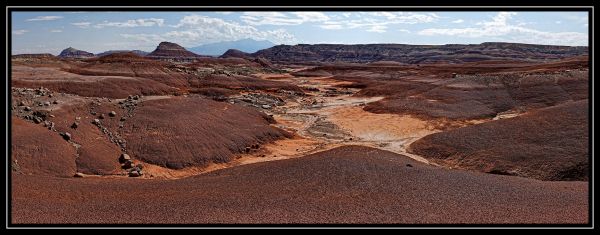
(56, 31)
(499, 26)
(558, 22)
(458, 21)
(311, 16)
(377, 29)
(279, 18)
(406, 17)
(331, 26)
(379, 21)
(193, 30)
(44, 18)
(577, 18)
(20, 31)
(82, 24)
(132, 23)
(224, 12)
(147, 38)
(404, 30)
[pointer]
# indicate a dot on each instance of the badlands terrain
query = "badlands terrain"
(384, 133)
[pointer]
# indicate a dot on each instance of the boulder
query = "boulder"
(134, 174)
(66, 135)
(124, 157)
(128, 164)
(112, 114)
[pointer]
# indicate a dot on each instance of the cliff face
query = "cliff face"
(412, 54)
(74, 53)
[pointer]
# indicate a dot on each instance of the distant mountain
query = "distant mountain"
(416, 54)
(74, 53)
(137, 52)
(245, 45)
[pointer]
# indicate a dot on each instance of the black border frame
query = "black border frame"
(11, 9)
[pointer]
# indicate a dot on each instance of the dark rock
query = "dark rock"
(66, 135)
(112, 113)
(127, 164)
(124, 157)
(134, 174)
(74, 125)
(409, 165)
(78, 175)
(27, 108)
(96, 121)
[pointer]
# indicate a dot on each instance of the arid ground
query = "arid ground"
(178, 139)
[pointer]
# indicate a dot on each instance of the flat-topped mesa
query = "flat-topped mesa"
(34, 56)
(75, 53)
(417, 54)
(172, 52)
(137, 52)
(235, 54)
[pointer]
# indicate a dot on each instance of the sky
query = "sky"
(51, 32)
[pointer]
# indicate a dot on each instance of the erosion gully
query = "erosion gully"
(327, 117)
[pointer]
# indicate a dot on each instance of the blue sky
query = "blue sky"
(50, 32)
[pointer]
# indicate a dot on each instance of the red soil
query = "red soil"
(344, 185)
(480, 91)
(121, 74)
(548, 144)
(97, 155)
(39, 151)
(240, 83)
(181, 132)
(86, 85)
